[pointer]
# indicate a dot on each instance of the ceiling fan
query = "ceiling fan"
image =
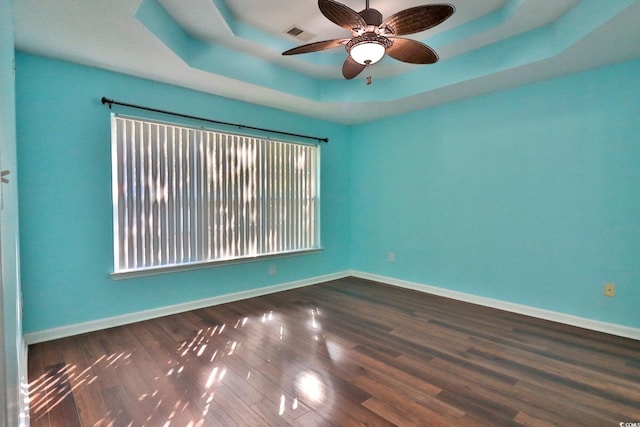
(372, 37)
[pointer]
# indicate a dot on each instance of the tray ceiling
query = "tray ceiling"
(233, 48)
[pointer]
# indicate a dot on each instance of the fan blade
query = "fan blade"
(315, 47)
(416, 19)
(351, 68)
(411, 51)
(341, 15)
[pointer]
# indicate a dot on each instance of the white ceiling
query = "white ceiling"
(233, 48)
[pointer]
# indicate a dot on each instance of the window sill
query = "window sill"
(152, 271)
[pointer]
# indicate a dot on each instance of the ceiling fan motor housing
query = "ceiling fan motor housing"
(371, 17)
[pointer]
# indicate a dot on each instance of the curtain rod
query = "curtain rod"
(155, 110)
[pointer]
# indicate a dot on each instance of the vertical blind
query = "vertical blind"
(186, 195)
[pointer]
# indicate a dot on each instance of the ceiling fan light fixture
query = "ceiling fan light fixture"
(367, 53)
(368, 48)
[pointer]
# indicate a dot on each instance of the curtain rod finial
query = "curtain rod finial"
(104, 100)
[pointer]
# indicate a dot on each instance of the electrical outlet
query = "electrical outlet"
(272, 270)
(609, 290)
(391, 257)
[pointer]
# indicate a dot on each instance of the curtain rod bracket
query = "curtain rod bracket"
(106, 100)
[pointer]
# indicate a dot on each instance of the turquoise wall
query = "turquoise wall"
(529, 195)
(65, 195)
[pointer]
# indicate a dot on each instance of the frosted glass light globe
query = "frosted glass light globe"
(367, 52)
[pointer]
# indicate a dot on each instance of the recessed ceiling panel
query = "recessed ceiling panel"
(233, 48)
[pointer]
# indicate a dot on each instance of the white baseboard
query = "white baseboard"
(581, 322)
(95, 325)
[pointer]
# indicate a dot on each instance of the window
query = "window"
(185, 196)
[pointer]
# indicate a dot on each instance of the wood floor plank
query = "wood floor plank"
(348, 352)
(61, 405)
(537, 372)
(416, 404)
(118, 405)
(274, 415)
(237, 410)
(89, 402)
(39, 414)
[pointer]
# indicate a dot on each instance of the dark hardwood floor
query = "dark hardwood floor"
(348, 352)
